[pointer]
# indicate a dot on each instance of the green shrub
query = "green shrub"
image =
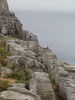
(11, 66)
(11, 38)
(22, 76)
(3, 62)
(3, 53)
(3, 85)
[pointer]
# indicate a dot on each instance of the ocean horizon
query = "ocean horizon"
(54, 29)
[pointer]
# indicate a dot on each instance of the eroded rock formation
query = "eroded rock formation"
(4, 9)
(10, 24)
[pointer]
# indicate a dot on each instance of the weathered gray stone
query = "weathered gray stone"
(4, 10)
(26, 35)
(18, 85)
(9, 24)
(10, 95)
(24, 91)
(33, 85)
(5, 72)
(15, 49)
(63, 74)
(27, 44)
(44, 87)
(22, 62)
(30, 54)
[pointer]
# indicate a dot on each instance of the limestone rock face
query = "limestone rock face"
(26, 35)
(4, 10)
(63, 74)
(24, 57)
(42, 86)
(15, 49)
(10, 24)
(20, 88)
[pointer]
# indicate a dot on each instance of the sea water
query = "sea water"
(54, 29)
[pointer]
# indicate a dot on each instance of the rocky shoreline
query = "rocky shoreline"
(28, 71)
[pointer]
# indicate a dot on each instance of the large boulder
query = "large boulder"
(20, 88)
(65, 80)
(15, 49)
(19, 47)
(25, 92)
(42, 86)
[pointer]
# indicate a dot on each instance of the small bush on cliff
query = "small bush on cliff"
(3, 85)
(12, 66)
(3, 53)
(11, 38)
(22, 76)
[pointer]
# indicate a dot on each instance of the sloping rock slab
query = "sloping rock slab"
(44, 88)
(10, 95)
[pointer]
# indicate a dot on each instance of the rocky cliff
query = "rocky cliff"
(4, 9)
(28, 71)
(10, 24)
